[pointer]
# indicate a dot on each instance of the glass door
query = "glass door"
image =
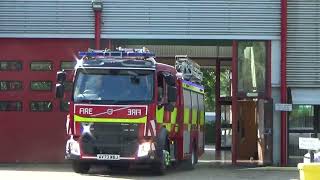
(251, 102)
(252, 63)
(265, 133)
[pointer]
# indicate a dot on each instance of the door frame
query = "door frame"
(235, 95)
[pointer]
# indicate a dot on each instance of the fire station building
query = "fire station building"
(272, 48)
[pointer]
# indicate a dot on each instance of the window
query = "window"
(252, 58)
(10, 85)
(187, 98)
(10, 66)
(64, 106)
(41, 106)
(225, 82)
(41, 85)
(68, 86)
(41, 66)
(301, 117)
(67, 65)
(114, 86)
(10, 106)
(296, 154)
(226, 115)
(302, 123)
(160, 88)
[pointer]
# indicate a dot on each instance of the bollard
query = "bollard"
(311, 152)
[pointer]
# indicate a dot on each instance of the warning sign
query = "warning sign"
(283, 107)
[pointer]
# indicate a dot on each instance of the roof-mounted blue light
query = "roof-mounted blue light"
(121, 53)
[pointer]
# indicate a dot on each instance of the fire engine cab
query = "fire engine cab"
(128, 109)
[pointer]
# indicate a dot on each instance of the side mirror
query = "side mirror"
(170, 79)
(61, 76)
(59, 90)
(172, 94)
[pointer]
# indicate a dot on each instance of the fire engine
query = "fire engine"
(128, 109)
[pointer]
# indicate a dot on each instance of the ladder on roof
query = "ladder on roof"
(143, 53)
(190, 70)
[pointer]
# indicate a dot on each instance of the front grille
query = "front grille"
(112, 138)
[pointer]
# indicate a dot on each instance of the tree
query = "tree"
(209, 82)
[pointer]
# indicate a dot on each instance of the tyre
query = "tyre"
(191, 163)
(160, 167)
(80, 167)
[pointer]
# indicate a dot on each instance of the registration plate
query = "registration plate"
(108, 157)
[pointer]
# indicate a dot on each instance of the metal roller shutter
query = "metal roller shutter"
(303, 51)
(191, 51)
(153, 19)
(46, 18)
(191, 19)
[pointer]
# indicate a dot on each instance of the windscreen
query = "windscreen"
(114, 86)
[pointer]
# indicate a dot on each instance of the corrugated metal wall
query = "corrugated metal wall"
(303, 52)
(192, 19)
(140, 19)
(46, 18)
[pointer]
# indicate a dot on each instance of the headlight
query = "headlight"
(73, 147)
(144, 149)
(86, 128)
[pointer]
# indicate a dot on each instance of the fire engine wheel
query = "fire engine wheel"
(162, 165)
(190, 163)
(80, 167)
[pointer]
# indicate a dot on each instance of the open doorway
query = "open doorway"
(254, 131)
(245, 113)
(250, 73)
(252, 106)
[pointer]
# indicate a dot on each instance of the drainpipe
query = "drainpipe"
(97, 8)
(234, 106)
(218, 105)
(283, 86)
(97, 28)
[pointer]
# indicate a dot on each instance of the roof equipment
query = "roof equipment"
(143, 53)
(190, 70)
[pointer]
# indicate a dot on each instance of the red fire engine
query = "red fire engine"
(128, 109)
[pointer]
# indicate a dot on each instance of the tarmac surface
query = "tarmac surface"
(207, 168)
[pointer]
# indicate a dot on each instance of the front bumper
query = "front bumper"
(73, 152)
(122, 160)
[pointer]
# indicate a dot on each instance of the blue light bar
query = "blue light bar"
(118, 54)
